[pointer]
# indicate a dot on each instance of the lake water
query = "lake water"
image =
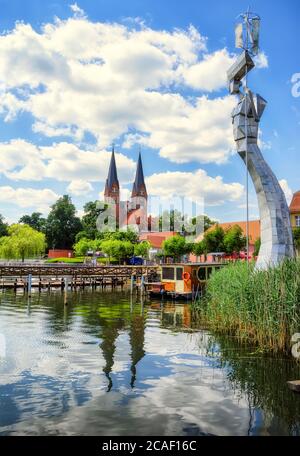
(109, 365)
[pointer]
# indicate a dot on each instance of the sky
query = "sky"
(77, 77)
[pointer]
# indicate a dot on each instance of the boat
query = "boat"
(183, 280)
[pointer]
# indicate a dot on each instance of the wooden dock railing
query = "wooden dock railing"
(62, 270)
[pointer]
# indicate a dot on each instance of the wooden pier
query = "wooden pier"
(43, 276)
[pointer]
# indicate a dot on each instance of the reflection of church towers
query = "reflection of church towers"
(109, 335)
(137, 338)
(108, 346)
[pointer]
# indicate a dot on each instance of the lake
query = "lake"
(108, 364)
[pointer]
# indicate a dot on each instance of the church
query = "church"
(134, 211)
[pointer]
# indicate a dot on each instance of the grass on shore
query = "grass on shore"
(78, 260)
(262, 307)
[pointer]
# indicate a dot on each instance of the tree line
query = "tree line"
(63, 229)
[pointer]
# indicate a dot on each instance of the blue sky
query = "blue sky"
(75, 77)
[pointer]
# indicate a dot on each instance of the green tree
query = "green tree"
(22, 242)
(234, 240)
(122, 235)
(214, 240)
(84, 245)
(257, 245)
(3, 227)
(296, 236)
(199, 248)
(142, 249)
(117, 249)
(174, 247)
(62, 224)
(35, 220)
(92, 210)
(204, 220)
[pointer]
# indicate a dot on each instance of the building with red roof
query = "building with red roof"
(295, 210)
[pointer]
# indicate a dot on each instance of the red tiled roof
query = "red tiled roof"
(157, 238)
(254, 229)
(295, 203)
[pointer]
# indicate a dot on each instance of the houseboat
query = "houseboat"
(183, 280)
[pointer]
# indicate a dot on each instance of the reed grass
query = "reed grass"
(262, 307)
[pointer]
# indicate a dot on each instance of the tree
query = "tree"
(117, 249)
(22, 241)
(84, 245)
(296, 236)
(122, 235)
(174, 247)
(205, 220)
(234, 240)
(62, 225)
(142, 249)
(214, 240)
(189, 247)
(92, 211)
(3, 227)
(199, 248)
(35, 220)
(257, 245)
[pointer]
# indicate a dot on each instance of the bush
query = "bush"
(258, 306)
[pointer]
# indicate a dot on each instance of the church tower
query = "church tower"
(138, 213)
(112, 187)
(139, 187)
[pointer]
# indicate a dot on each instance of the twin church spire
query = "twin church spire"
(112, 187)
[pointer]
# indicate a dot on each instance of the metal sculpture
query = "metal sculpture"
(276, 231)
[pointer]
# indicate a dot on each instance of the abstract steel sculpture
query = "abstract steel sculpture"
(276, 231)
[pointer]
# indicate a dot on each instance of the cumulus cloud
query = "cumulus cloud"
(195, 186)
(79, 187)
(78, 12)
(261, 60)
(117, 80)
(22, 160)
(39, 199)
(210, 73)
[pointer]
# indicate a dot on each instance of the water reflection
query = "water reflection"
(110, 365)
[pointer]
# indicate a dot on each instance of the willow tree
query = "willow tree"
(22, 242)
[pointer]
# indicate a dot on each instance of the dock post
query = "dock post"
(142, 285)
(131, 284)
(66, 291)
(29, 284)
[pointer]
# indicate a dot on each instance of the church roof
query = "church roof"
(139, 182)
(112, 178)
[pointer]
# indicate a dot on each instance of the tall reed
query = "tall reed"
(262, 307)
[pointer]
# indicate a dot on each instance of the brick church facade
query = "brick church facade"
(134, 211)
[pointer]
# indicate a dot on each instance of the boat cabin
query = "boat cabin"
(186, 278)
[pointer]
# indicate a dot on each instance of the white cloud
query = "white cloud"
(39, 199)
(21, 160)
(200, 133)
(261, 60)
(117, 79)
(210, 73)
(78, 12)
(194, 185)
(79, 187)
(287, 190)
